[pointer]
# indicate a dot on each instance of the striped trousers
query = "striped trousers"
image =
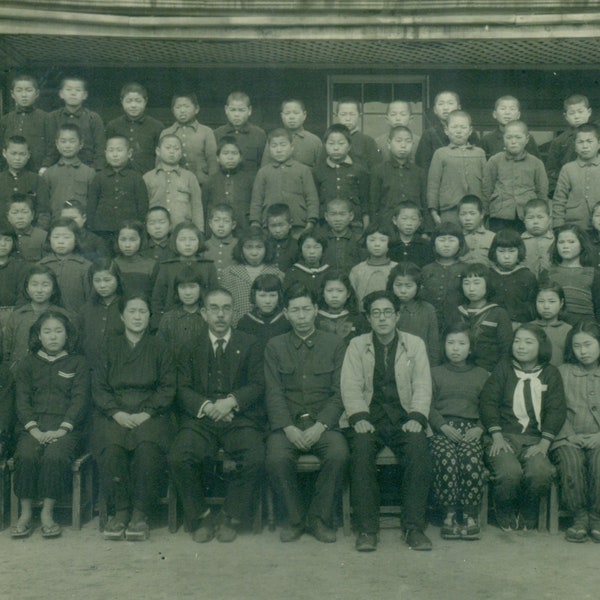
(579, 473)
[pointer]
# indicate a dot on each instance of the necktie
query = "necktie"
(220, 363)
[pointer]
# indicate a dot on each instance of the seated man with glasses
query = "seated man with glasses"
(220, 388)
(386, 391)
(302, 372)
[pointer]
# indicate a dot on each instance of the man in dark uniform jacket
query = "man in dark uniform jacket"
(220, 391)
(302, 371)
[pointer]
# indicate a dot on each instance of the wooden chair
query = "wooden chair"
(81, 501)
(224, 465)
(307, 463)
(169, 500)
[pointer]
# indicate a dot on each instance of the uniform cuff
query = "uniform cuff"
(359, 416)
(418, 417)
(31, 425)
(68, 427)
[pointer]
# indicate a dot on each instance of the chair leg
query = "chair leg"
(258, 514)
(4, 495)
(483, 510)
(172, 508)
(554, 509)
(76, 501)
(88, 491)
(270, 509)
(346, 518)
(102, 511)
(543, 514)
(14, 501)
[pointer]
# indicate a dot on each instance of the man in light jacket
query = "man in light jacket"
(386, 392)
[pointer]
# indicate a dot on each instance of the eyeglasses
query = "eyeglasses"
(386, 312)
(215, 310)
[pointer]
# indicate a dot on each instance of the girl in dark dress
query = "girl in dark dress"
(51, 403)
(132, 390)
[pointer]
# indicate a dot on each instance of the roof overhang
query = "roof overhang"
(426, 34)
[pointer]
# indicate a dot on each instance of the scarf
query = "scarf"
(527, 397)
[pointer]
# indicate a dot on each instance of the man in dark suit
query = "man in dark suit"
(220, 391)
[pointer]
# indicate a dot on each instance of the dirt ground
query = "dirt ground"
(501, 566)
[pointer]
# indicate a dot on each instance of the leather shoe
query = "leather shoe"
(291, 533)
(206, 530)
(366, 542)
(417, 540)
(226, 532)
(322, 533)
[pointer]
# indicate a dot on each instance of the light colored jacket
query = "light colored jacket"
(413, 376)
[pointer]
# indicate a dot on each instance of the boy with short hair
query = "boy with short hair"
(456, 169)
(17, 179)
(198, 144)
(340, 176)
(30, 240)
(398, 179)
(91, 246)
(281, 245)
(506, 109)
(158, 228)
(308, 147)
(363, 147)
(69, 178)
(27, 120)
(537, 237)
(398, 113)
(478, 239)
(343, 243)
(512, 178)
(578, 185)
(142, 130)
(73, 92)
(285, 180)
(173, 186)
(410, 245)
(435, 137)
(232, 183)
(220, 244)
(250, 139)
(577, 112)
(118, 191)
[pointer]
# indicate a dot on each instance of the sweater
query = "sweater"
(418, 317)
(455, 393)
(515, 291)
(366, 278)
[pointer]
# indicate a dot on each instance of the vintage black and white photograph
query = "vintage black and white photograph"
(299, 299)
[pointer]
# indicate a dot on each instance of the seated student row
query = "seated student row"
(134, 384)
(445, 152)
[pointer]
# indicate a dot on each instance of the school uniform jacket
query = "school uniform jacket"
(498, 396)
(246, 380)
(413, 378)
(52, 394)
(492, 334)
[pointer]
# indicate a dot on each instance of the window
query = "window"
(375, 92)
